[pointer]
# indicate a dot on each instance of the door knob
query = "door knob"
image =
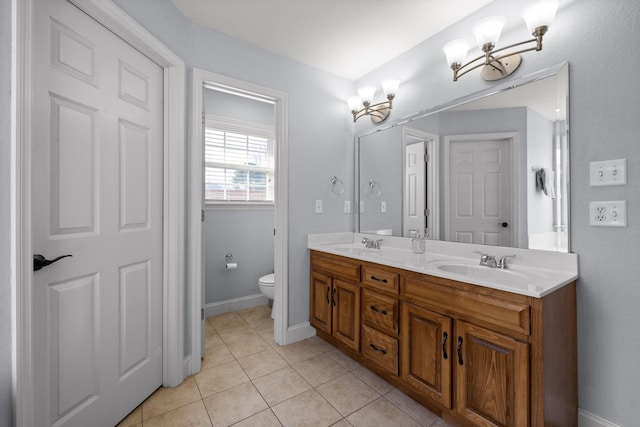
(40, 261)
(504, 224)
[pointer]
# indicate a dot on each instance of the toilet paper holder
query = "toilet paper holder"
(228, 265)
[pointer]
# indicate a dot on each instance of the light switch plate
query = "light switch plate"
(608, 214)
(383, 206)
(347, 206)
(608, 172)
(318, 206)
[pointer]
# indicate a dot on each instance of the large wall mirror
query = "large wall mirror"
(492, 168)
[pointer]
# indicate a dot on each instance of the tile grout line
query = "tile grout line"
(317, 348)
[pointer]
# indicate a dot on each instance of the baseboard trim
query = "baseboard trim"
(587, 419)
(235, 304)
(299, 332)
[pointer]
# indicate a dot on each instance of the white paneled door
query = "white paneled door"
(97, 195)
(414, 221)
(480, 192)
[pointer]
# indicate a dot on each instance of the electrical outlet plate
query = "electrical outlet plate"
(347, 206)
(608, 172)
(608, 214)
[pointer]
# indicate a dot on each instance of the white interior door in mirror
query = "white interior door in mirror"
(414, 218)
(479, 205)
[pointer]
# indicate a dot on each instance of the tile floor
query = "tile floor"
(248, 380)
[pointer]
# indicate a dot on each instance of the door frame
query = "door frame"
(281, 245)
(121, 24)
(432, 171)
(514, 143)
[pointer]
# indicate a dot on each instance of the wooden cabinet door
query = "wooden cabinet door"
(492, 377)
(345, 299)
(426, 352)
(320, 302)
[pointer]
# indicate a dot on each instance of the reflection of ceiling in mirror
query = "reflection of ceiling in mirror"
(540, 96)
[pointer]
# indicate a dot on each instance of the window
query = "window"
(239, 161)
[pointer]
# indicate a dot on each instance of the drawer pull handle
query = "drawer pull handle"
(377, 279)
(377, 310)
(378, 349)
(460, 361)
(333, 297)
(445, 335)
(327, 294)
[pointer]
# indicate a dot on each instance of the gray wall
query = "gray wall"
(5, 191)
(599, 40)
(237, 107)
(248, 235)
(381, 160)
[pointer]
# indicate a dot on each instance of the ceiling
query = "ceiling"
(345, 37)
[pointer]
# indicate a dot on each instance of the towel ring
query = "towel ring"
(375, 188)
(337, 186)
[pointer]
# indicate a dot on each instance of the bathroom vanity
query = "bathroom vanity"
(480, 346)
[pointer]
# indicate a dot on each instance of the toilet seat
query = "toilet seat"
(267, 280)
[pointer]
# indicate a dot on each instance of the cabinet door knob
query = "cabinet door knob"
(327, 294)
(460, 361)
(333, 297)
(445, 335)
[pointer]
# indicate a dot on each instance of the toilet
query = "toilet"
(266, 285)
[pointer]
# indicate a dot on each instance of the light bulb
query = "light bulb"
(354, 103)
(390, 87)
(488, 30)
(456, 51)
(366, 94)
(540, 14)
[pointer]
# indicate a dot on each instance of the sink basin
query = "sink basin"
(385, 253)
(478, 271)
(511, 278)
(358, 251)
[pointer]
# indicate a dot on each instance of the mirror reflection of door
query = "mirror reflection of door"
(415, 195)
(420, 185)
(479, 181)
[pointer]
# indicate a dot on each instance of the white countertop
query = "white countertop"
(532, 272)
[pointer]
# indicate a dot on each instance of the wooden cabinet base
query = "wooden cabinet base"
(473, 355)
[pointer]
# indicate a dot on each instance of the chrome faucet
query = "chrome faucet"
(490, 260)
(371, 244)
(503, 261)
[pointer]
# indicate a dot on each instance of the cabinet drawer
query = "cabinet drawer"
(380, 311)
(488, 310)
(335, 265)
(380, 349)
(380, 279)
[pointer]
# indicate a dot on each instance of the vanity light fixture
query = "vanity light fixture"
(499, 63)
(362, 105)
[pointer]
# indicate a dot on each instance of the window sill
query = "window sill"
(247, 206)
